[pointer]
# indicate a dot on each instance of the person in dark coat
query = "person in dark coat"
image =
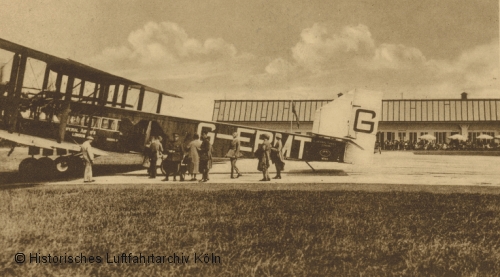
(205, 154)
(277, 156)
(175, 151)
(264, 157)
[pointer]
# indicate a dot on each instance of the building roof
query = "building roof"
(404, 110)
(265, 110)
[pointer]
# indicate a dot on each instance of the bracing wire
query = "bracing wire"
(34, 75)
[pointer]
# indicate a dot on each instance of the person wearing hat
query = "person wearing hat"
(155, 153)
(205, 155)
(175, 150)
(277, 156)
(265, 157)
(233, 154)
(88, 158)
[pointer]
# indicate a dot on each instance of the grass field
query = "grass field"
(255, 233)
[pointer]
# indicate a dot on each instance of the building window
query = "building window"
(391, 136)
(402, 136)
(440, 137)
(473, 137)
(380, 137)
(413, 136)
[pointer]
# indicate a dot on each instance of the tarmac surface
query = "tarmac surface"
(390, 167)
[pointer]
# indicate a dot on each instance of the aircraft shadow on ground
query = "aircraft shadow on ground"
(10, 180)
(317, 172)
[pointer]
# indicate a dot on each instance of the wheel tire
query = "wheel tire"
(46, 167)
(62, 166)
(27, 168)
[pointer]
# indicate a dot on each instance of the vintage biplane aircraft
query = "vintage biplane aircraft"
(75, 100)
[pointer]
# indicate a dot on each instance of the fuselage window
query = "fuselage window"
(105, 123)
(113, 125)
(83, 120)
(95, 122)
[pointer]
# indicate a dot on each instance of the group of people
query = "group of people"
(266, 153)
(423, 144)
(197, 154)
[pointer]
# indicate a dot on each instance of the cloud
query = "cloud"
(279, 66)
(165, 45)
(320, 49)
(322, 63)
(476, 70)
(352, 58)
(394, 56)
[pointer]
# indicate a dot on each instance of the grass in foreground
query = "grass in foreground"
(273, 233)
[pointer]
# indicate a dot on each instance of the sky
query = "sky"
(256, 49)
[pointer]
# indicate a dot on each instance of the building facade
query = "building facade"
(401, 119)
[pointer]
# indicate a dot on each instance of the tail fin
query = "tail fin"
(353, 116)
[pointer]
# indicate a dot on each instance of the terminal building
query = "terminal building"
(401, 119)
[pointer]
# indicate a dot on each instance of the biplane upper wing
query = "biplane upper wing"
(76, 69)
(45, 143)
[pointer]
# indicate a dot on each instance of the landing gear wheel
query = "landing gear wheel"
(27, 168)
(62, 165)
(172, 167)
(46, 167)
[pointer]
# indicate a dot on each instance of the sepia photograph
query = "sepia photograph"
(249, 138)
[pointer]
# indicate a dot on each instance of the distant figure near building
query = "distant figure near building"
(277, 156)
(205, 156)
(233, 154)
(88, 158)
(378, 147)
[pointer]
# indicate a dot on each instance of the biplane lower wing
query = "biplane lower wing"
(39, 142)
